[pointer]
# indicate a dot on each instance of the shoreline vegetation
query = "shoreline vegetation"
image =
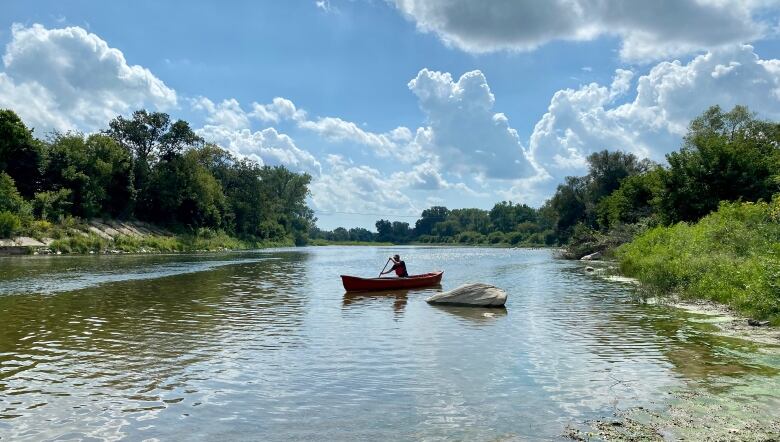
(704, 226)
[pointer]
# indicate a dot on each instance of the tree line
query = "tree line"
(150, 168)
(725, 156)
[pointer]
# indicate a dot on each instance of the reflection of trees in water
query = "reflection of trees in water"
(141, 340)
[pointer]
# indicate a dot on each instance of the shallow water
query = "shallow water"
(266, 345)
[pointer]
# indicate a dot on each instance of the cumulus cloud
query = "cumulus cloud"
(227, 114)
(463, 131)
(648, 30)
(265, 146)
(581, 121)
(69, 78)
(358, 188)
(394, 143)
(278, 110)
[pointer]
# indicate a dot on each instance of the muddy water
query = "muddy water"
(267, 346)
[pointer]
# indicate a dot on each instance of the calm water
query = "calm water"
(266, 346)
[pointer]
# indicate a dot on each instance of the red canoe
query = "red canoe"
(355, 284)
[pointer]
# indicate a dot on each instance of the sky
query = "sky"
(393, 106)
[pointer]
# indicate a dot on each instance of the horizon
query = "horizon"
(393, 107)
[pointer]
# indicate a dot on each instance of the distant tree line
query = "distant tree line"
(150, 168)
(725, 156)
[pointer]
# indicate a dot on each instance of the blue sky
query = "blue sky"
(508, 97)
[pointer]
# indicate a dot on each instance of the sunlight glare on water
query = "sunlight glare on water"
(266, 345)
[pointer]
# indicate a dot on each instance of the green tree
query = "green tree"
(384, 229)
(52, 205)
(726, 156)
(567, 207)
(429, 218)
(10, 198)
(149, 137)
(635, 199)
(505, 216)
(360, 234)
(20, 153)
(96, 170)
(186, 194)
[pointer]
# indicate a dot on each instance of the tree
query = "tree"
(340, 234)
(725, 157)
(360, 234)
(20, 153)
(607, 169)
(150, 136)
(384, 230)
(505, 216)
(96, 170)
(635, 199)
(567, 206)
(148, 133)
(429, 218)
(184, 193)
(10, 198)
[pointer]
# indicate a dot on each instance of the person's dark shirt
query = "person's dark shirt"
(400, 269)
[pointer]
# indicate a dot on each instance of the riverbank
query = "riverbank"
(100, 236)
(728, 408)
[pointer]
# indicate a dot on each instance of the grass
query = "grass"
(73, 235)
(731, 256)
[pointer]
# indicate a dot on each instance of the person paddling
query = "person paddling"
(399, 267)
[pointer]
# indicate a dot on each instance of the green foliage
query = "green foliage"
(725, 157)
(20, 153)
(577, 200)
(731, 256)
(635, 199)
(52, 205)
(10, 198)
(429, 218)
(506, 216)
(9, 224)
(186, 194)
(96, 170)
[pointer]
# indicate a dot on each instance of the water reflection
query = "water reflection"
(265, 345)
(399, 297)
(476, 315)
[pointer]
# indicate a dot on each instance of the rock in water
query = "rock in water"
(477, 295)
(592, 257)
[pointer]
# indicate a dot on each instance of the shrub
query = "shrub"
(9, 224)
(731, 256)
(497, 238)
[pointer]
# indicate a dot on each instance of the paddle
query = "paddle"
(383, 268)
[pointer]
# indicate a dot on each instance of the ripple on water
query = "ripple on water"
(268, 345)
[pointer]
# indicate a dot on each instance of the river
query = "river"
(265, 345)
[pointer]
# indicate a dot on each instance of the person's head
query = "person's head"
(396, 258)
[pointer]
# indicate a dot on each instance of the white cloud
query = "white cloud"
(69, 78)
(358, 188)
(265, 146)
(227, 114)
(585, 120)
(648, 29)
(391, 144)
(463, 131)
(278, 110)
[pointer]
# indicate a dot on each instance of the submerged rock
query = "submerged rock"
(477, 295)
